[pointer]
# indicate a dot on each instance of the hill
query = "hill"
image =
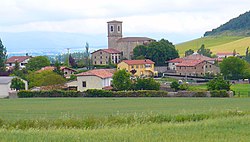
(239, 26)
(228, 43)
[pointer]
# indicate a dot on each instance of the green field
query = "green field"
(216, 44)
(125, 119)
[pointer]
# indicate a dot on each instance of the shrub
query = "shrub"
(183, 86)
(218, 83)
(219, 93)
(147, 84)
(53, 93)
(175, 85)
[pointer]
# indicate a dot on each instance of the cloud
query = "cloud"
(140, 16)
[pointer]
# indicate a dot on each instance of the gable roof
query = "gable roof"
(197, 56)
(6, 79)
(138, 62)
(190, 63)
(63, 67)
(19, 59)
(135, 39)
(110, 51)
(102, 73)
(176, 60)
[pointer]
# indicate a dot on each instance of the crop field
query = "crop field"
(216, 44)
(125, 119)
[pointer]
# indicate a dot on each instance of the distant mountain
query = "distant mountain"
(49, 43)
(239, 26)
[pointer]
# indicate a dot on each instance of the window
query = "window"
(132, 66)
(101, 57)
(100, 62)
(118, 29)
(95, 62)
(100, 52)
(210, 66)
(84, 84)
(194, 67)
(10, 64)
(106, 57)
(22, 64)
(106, 62)
(111, 28)
(206, 66)
(95, 57)
(137, 66)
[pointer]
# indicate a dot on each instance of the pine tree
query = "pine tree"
(3, 57)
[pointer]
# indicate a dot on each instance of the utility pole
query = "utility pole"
(68, 56)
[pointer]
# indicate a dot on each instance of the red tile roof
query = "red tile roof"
(176, 60)
(63, 67)
(138, 62)
(135, 39)
(19, 59)
(189, 63)
(102, 73)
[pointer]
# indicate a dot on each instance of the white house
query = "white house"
(5, 83)
(21, 60)
(93, 79)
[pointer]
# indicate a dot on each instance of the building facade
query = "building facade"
(138, 67)
(125, 45)
(106, 56)
(21, 60)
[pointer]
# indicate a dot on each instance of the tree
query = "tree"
(159, 52)
(203, 51)
(72, 61)
(87, 56)
(121, 80)
(218, 83)
(189, 52)
(233, 68)
(45, 78)
(247, 55)
(37, 63)
(17, 66)
(58, 68)
(3, 57)
(175, 85)
(147, 84)
(17, 84)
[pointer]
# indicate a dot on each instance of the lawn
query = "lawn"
(125, 119)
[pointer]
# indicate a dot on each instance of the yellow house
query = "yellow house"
(138, 67)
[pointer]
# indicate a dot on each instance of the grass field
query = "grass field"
(216, 44)
(125, 119)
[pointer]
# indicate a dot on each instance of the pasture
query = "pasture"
(125, 119)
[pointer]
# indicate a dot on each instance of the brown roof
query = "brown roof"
(63, 67)
(114, 21)
(110, 51)
(19, 59)
(135, 39)
(197, 56)
(176, 60)
(189, 63)
(138, 62)
(102, 73)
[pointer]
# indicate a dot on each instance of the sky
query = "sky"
(175, 20)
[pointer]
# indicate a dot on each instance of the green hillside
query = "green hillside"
(213, 43)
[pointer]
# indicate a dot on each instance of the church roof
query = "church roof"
(135, 39)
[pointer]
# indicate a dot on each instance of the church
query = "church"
(119, 47)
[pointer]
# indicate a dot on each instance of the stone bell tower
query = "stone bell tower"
(114, 33)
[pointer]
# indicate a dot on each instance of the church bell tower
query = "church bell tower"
(114, 33)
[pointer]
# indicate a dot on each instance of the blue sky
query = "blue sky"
(177, 20)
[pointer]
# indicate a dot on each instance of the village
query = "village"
(194, 67)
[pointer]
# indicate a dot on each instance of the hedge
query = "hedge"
(52, 93)
(105, 93)
(219, 93)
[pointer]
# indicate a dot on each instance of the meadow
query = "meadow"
(125, 119)
(216, 44)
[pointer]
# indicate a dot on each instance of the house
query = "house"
(226, 54)
(172, 63)
(106, 56)
(5, 83)
(125, 45)
(138, 67)
(66, 70)
(21, 60)
(93, 79)
(196, 68)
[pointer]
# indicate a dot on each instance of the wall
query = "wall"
(127, 48)
(100, 58)
(92, 82)
(4, 90)
(140, 69)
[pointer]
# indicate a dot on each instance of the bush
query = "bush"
(218, 83)
(219, 93)
(175, 85)
(147, 84)
(53, 93)
(183, 86)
